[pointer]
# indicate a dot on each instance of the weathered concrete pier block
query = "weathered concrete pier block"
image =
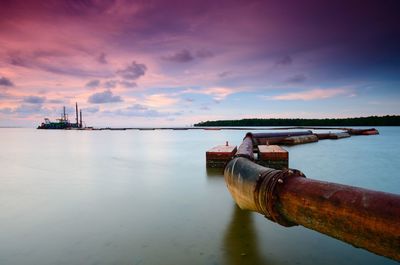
(273, 156)
(219, 156)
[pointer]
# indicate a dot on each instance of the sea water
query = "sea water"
(146, 197)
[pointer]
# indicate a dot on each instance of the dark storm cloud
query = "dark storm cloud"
(133, 71)
(34, 100)
(182, 56)
(93, 83)
(104, 97)
(6, 82)
(299, 78)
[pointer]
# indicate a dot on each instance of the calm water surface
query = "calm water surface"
(145, 197)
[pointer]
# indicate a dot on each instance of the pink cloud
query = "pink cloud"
(313, 94)
(53, 49)
(160, 100)
(217, 93)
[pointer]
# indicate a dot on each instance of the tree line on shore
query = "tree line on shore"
(388, 120)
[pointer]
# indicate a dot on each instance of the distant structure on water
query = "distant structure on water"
(63, 122)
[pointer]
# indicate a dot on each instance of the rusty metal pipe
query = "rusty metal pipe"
(364, 218)
(281, 134)
(246, 148)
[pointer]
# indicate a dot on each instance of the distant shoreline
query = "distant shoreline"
(388, 120)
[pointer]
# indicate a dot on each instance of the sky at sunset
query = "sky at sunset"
(175, 63)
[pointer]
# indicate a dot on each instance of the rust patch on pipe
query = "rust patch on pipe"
(364, 218)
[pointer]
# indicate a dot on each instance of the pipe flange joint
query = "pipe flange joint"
(266, 193)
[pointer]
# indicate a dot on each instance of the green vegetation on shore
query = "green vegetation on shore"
(388, 120)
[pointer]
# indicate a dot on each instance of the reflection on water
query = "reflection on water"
(145, 197)
(240, 240)
(215, 172)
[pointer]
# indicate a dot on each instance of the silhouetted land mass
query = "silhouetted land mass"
(388, 120)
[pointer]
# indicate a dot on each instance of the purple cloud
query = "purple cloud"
(104, 97)
(127, 84)
(6, 82)
(34, 100)
(110, 84)
(47, 63)
(102, 58)
(299, 78)
(138, 107)
(138, 110)
(182, 56)
(284, 61)
(133, 71)
(91, 109)
(204, 54)
(55, 101)
(224, 74)
(16, 60)
(261, 42)
(25, 109)
(93, 83)
(6, 110)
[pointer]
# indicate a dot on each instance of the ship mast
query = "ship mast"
(64, 117)
(80, 123)
(76, 111)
